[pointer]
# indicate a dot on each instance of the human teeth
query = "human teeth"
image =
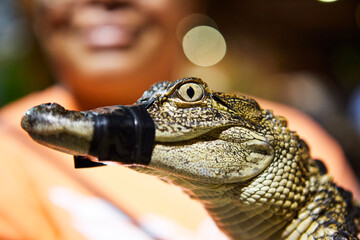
(109, 36)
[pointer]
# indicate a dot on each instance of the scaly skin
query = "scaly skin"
(253, 175)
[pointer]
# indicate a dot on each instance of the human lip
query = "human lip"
(108, 36)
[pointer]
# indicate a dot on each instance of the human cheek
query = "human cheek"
(49, 15)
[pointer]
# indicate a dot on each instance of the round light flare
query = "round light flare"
(204, 46)
(327, 1)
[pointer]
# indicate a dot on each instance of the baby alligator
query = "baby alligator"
(252, 174)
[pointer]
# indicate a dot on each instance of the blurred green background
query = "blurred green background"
(22, 68)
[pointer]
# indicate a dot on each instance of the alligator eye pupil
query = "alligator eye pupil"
(190, 92)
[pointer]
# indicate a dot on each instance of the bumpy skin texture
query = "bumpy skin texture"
(253, 175)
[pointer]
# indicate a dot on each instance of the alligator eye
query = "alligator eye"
(191, 92)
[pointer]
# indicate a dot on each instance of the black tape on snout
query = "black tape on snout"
(125, 134)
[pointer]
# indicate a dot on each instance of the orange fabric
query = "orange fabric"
(31, 206)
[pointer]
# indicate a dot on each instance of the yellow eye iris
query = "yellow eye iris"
(191, 92)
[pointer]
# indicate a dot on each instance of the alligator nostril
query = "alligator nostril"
(51, 106)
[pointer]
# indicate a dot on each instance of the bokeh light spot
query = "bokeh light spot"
(190, 21)
(204, 46)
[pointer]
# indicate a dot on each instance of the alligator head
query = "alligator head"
(181, 128)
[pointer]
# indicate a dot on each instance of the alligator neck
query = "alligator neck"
(247, 213)
(238, 219)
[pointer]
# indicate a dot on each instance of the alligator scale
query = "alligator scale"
(252, 174)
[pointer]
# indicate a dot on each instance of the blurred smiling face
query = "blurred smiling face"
(102, 43)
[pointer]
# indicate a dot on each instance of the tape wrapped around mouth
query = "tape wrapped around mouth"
(123, 134)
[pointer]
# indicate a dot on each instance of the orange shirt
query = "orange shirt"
(44, 197)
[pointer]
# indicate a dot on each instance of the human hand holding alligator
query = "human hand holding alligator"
(254, 176)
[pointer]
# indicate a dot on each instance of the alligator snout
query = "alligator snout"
(53, 126)
(51, 118)
(125, 134)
